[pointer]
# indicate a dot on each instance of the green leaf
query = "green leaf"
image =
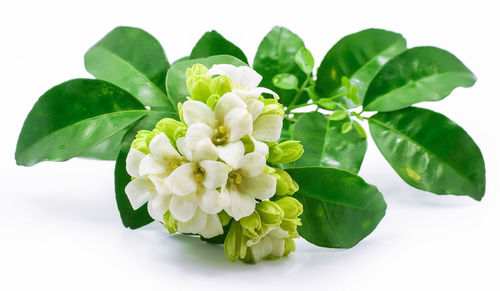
(327, 103)
(304, 60)
(74, 117)
(176, 77)
(430, 152)
(133, 218)
(419, 74)
(346, 127)
(338, 115)
(340, 209)
(134, 60)
(361, 131)
(212, 44)
(107, 149)
(286, 81)
(325, 145)
(359, 57)
(276, 55)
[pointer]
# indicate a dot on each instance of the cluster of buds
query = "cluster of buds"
(210, 169)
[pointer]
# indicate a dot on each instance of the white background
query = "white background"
(59, 226)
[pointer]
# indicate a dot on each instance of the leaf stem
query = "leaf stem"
(297, 96)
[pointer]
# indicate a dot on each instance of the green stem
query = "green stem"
(297, 96)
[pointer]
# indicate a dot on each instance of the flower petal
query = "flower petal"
(161, 147)
(151, 165)
(160, 183)
(231, 153)
(181, 180)
(278, 247)
(210, 202)
(158, 206)
(238, 123)
(241, 205)
(194, 225)
(260, 147)
(254, 107)
(139, 191)
(184, 149)
(262, 249)
(268, 127)
(134, 159)
(204, 150)
(252, 164)
(254, 93)
(196, 111)
(213, 227)
(215, 174)
(222, 69)
(261, 187)
(226, 103)
(247, 78)
(182, 208)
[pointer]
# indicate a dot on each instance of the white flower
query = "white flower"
(272, 243)
(266, 128)
(248, 182)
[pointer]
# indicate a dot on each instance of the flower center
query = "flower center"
(234, 177)
(220, 135)
(199, 175)
(174, 163)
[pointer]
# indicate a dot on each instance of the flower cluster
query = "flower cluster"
(210, 169)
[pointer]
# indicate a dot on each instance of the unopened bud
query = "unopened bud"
(289, 246)
(290, 225)
(285, 152)
(221, 85)
(179, 132)
(199, 90)
(140, 142)
(212, 101)
(285, 185)
(195, 73)
(169, 126)
(290, 206)
(170, 222)
(251, 225)
(270, 213)
(235, 243)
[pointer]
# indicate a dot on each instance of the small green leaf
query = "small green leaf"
(133, 60)
(325, 145)
(361, 131)
(286, 81)
(74, 117)
(133, 218)
(346, 83)
(340, 209)
(212, 43)
(338, 115)
(327, 103)
(430, 152)
(276, 55)
(346, 127)
(419, 74)
(176, 77)
(305, 60)
(359, 57)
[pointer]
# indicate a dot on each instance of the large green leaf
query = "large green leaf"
(358, 56)
(72, 118)
(176, 77)
(325, 145)
(430, 152)
(133, 60)
(212, 44)
(276, 55)
(133, 218)
(107, 149)
(419, 74)
(340, 209)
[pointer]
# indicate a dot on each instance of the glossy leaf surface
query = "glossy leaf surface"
(133, 60)
(74, 117)
(133, 218)
(340, 208)
(430, 152)
(107, 149)
(176, 77)
(325, 145)
(276, 55)
(419, 74)
(359, 57)
(212, 43)
(286, 81)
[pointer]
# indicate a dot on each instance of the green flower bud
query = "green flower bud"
(251, 225)
(221, 85)
(195, 73)
(179, 109)
(170, 222)
(212, 101)
(273, 109)
(290, 225)
(154, 133)
(140, 143)
(285, 152)
(200, 90)
(169, 126)
(290, 206)
(235, 245)
(289, 246)
(179, 132)
(248, 143)
(285, 184)
(270, 213)
(224, 218)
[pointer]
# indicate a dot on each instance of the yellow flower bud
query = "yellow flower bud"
(285, 152)
(270, 213)
(251, 225)
(221, 85)
(285, 185)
